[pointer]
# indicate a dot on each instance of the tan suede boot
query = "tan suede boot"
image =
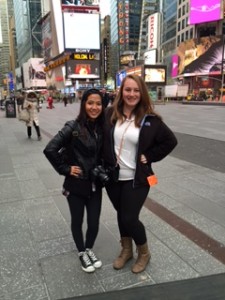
(125, 254)
(142, 259)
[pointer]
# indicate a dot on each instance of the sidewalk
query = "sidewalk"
(37, 254)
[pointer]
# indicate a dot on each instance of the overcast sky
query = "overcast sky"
(105, 7)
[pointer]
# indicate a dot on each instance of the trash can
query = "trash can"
(10, 108)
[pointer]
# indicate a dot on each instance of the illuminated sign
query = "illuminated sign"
(153, 31)
(123, 24)
(175, 60)
(85, 33)
(155, 74)
(57, 63)
(205, 11)
(81, 69)
(201, 56)
(84, 56)
(80, 2)
(135, 70)
(150, 57)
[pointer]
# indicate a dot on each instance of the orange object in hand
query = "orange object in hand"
(152, 180)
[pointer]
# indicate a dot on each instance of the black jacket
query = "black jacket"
(75, 145)
(156, 141)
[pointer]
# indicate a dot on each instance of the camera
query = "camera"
(100, 173)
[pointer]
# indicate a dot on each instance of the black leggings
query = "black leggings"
(77, 205)
(37, 128)
(128, 202)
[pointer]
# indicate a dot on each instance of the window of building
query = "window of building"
(179, 13)
(182, 37)
(183, 23)
(186, 35)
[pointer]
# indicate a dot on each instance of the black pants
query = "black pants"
(29, 130)
(77, 205)
(128, 202)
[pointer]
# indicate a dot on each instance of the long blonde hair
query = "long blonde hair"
(143, 107)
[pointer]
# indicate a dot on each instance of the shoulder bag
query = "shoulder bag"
(24, 115)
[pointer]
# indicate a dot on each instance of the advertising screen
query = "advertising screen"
(201, 56)
(153, 31)
(80, 69)
(174, 71)
(150, 57)
(119, 77)
(80, 2)
(33, 73)
(155, 74)
(205, 11)
(81, 31)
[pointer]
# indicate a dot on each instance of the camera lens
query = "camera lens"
(103, 177)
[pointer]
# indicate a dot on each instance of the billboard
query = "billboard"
(155, 74)
(201, 56)
(33, 73)
(119, 77)
(175, 60)
(85, 33)
(83, 66)
(202, 11)
(127, 59)
(81, 2)
(153, 34)
(150, 57)
(47, 37)
(123, 24)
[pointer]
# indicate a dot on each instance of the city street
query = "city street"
(184, 216)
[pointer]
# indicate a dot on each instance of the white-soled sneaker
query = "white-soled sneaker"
(86, 263)
(93, 258)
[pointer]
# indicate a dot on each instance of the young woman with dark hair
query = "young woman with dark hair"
(81, 141)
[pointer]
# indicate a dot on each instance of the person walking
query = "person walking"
(65, 101)
(134, 137)
(81, 140)
(50, 102)
(31, 103)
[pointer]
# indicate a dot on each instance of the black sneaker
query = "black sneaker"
(93, 258)
(86, 262)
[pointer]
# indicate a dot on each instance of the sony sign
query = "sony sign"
(153, 31)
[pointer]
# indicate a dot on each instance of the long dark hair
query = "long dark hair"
(82, 117)
(144, 106)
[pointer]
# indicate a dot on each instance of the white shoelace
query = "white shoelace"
(92, 255)
(86, 259)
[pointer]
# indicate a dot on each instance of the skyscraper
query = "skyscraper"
(28, 31)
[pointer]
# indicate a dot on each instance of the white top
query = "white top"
(126, 138)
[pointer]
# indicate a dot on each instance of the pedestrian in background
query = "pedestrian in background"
(31, 103)
(20, 101)
(82, 141)
(50, 102)
(105, 97)
(65, 100)
(134, 137)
